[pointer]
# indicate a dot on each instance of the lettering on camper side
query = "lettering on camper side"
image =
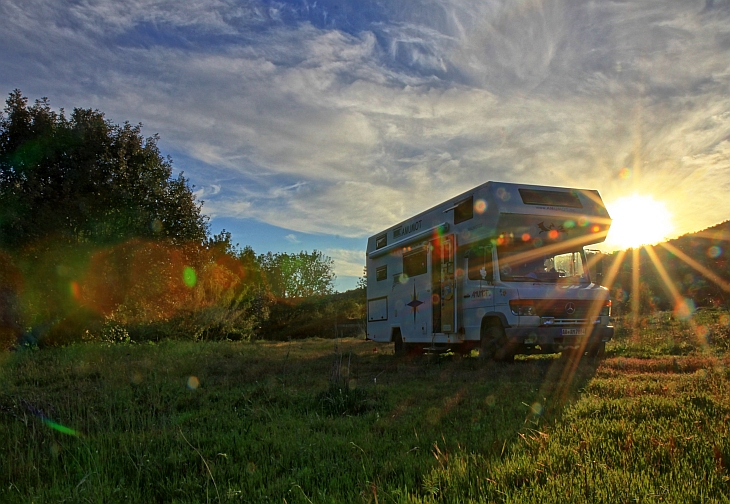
(407, 229)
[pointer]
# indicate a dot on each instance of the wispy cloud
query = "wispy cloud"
(347, 262)
(345, 117)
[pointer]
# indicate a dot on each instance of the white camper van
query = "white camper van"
(500, 268)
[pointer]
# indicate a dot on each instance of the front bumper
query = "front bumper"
(558, 337)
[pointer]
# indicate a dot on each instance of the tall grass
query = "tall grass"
(309, 421)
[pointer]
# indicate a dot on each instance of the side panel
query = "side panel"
(413, 296)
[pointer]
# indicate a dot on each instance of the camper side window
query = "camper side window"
(480, 265)
(381, 273)
(464, 210)
(415, 263)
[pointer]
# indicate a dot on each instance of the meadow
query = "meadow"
(324, 420)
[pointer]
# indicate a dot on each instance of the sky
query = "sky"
(314, 124)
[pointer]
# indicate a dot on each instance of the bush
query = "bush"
(330, 316)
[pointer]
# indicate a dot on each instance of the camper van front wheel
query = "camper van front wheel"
(491, 341)
(597, 349)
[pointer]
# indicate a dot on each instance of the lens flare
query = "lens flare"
(684, 309)
(624, 173)
(503, 194)
(189, 277)
(75, 290)
(703, 334)
(136, 377)
(60, 428)
(480, 206)
(156, 225)
(193, 382)
(714, 252)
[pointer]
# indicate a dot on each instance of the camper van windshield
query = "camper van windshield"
(518, 264)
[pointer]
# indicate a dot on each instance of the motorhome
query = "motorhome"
(501, 268)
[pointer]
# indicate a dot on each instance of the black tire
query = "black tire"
(597, 350)
(493, 345)
(570, 353)
(399, 346)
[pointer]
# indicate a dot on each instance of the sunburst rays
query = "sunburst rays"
(683, 308)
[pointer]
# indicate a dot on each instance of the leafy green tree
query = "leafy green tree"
(299, 275)
(85, 180)
(78, 188)
(362, 282)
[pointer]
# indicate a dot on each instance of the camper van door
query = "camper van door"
(478, 291)
(443, 284)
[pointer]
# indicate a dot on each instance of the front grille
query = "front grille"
(572, 322)
(560, 309)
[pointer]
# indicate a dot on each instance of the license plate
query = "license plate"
(573, 332)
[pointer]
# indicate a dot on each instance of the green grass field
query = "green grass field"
(345, 421)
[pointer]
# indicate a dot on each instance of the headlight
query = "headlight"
(522, 307)
(606, 309)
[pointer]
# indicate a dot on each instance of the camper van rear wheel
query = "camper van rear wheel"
(400, 347)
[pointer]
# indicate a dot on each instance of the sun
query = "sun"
(638, 220)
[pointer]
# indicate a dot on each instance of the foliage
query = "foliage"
(246, 422)
(342, 396)
(85, 180)
(196, 293)
(11, 282)
(362, 282)
(301, 275)
(694, 266)
(98, 240)
(334, 315)
(86, 208)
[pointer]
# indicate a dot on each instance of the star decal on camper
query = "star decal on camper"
(414, 304)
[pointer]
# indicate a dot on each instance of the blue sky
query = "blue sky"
(310, 125)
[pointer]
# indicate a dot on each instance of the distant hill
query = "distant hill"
(694, 266)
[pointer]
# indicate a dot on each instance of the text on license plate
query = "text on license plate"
(573, 332)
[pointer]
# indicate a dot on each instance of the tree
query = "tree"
(73, 189)
(84, 180)
(362, 282)
(298, 275)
